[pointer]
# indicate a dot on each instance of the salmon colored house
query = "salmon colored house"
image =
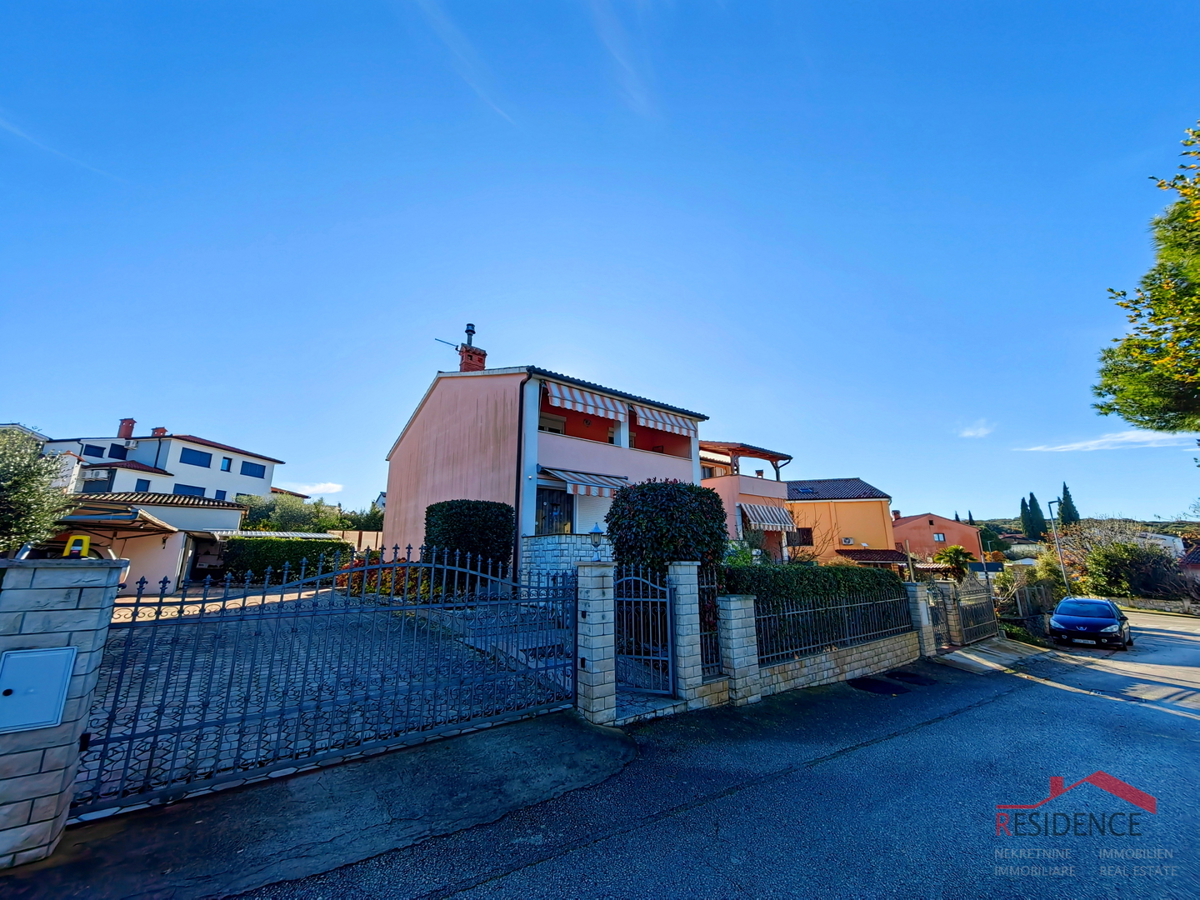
(554, 447)
(927, 533)
(842, 517)
(752, 502)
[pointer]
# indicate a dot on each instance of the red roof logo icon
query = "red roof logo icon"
(1102, 780)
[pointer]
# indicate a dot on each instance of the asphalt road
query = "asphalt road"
(836, 792)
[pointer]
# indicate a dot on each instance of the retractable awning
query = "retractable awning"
(567, 397)
(587, 484)
(767, 518)
(665, 421)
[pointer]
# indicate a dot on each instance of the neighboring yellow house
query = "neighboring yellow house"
(843, 517)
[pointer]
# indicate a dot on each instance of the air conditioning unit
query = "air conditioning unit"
(848, 542)
(95, 474)
(131, 445)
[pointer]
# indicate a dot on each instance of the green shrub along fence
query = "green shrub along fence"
(242, 555)
(802, 610)
(483, 528)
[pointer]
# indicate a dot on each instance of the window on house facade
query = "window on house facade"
(254, 470)
(226, 464)
(706, 471)
(117, 451)
(801, 537)
(938, 536)
(195, 458)
(93, 450)
(142, 485)
(220, 495)
(188, 490)
(555, 509)
(551, 423)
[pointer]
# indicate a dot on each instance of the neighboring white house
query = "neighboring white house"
(162, 463)
(1168, 542)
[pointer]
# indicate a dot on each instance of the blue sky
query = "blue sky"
(875, 235)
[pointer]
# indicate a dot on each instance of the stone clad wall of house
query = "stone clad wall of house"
(559, 552)
(840, 665)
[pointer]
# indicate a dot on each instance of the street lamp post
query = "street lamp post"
(986, 577)
(1062, 565)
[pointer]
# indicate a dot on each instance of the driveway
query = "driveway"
(837, 792)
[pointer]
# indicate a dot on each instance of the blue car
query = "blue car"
(1098, 623)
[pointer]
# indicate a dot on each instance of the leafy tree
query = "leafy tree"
(1128, 569)
(483, 528)
(369, 519)
(656, 523)
(283, 512)
(29, 506)
(1067, 513)
(990, 540)
(957, 558)
(1151, 378)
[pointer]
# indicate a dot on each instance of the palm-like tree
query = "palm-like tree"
(956, 558)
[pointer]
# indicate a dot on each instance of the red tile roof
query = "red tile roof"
(868, 555)
(207, 443)
(149, 498)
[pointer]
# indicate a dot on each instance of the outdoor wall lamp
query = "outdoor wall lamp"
(596, 534)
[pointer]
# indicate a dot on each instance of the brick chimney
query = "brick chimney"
(895, 515)
(470, 357)
(125, 432)
(158, 432)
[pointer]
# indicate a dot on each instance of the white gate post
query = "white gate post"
(47, 604)
(596, 665)
(689, 667)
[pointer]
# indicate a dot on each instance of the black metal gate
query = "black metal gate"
(645, 626)
(976, 611)
(937, 613)
(353, 654)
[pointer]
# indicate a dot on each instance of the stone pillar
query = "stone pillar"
(689, 667)
(918, 606)
(596, 665)
(48, 603)
(739, 647)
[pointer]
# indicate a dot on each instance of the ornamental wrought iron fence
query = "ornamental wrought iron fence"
(710, 645)
(645, 626)
(294, 668)
(793, 627)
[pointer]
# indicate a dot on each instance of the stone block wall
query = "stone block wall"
(44, 604)
(559, 552)
(840, 665)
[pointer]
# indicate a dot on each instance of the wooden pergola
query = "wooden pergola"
(737, 451)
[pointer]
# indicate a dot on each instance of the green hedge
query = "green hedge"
(793, 582)
(483, 528)
(656, 523)
(254, 555)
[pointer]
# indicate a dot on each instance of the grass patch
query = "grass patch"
(1024, 635)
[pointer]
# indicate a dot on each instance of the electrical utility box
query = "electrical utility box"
(33, 687)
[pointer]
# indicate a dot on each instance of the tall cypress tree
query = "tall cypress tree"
(1037, 521)
(970, 518)
(1067, 513)
(1025, 517)
(956, 518)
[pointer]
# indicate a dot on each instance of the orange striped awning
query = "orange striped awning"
(665, 421)
(567, 397)
(588, 484)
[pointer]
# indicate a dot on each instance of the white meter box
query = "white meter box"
(33, 687)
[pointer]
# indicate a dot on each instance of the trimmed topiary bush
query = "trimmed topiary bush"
(242, 555)
(483, 528)
(656, 523)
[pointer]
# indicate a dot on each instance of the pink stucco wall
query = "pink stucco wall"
(735, 489)
(461, 444)
(559, 451)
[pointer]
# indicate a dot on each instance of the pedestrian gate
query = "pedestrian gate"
(645, 625)
(350, 654)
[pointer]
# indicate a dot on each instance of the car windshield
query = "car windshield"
(1084, 610)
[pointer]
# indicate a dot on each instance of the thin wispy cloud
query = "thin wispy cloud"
(467, 64)
(14, 130)
(616, 40)
(323, 487)
(981, 428)
(1120, 440)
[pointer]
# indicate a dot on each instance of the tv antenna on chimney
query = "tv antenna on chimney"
(470, 336)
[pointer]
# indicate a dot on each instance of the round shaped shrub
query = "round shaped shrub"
(483, 528)
(656, 523)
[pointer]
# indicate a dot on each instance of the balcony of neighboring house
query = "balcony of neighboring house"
(753, 503)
